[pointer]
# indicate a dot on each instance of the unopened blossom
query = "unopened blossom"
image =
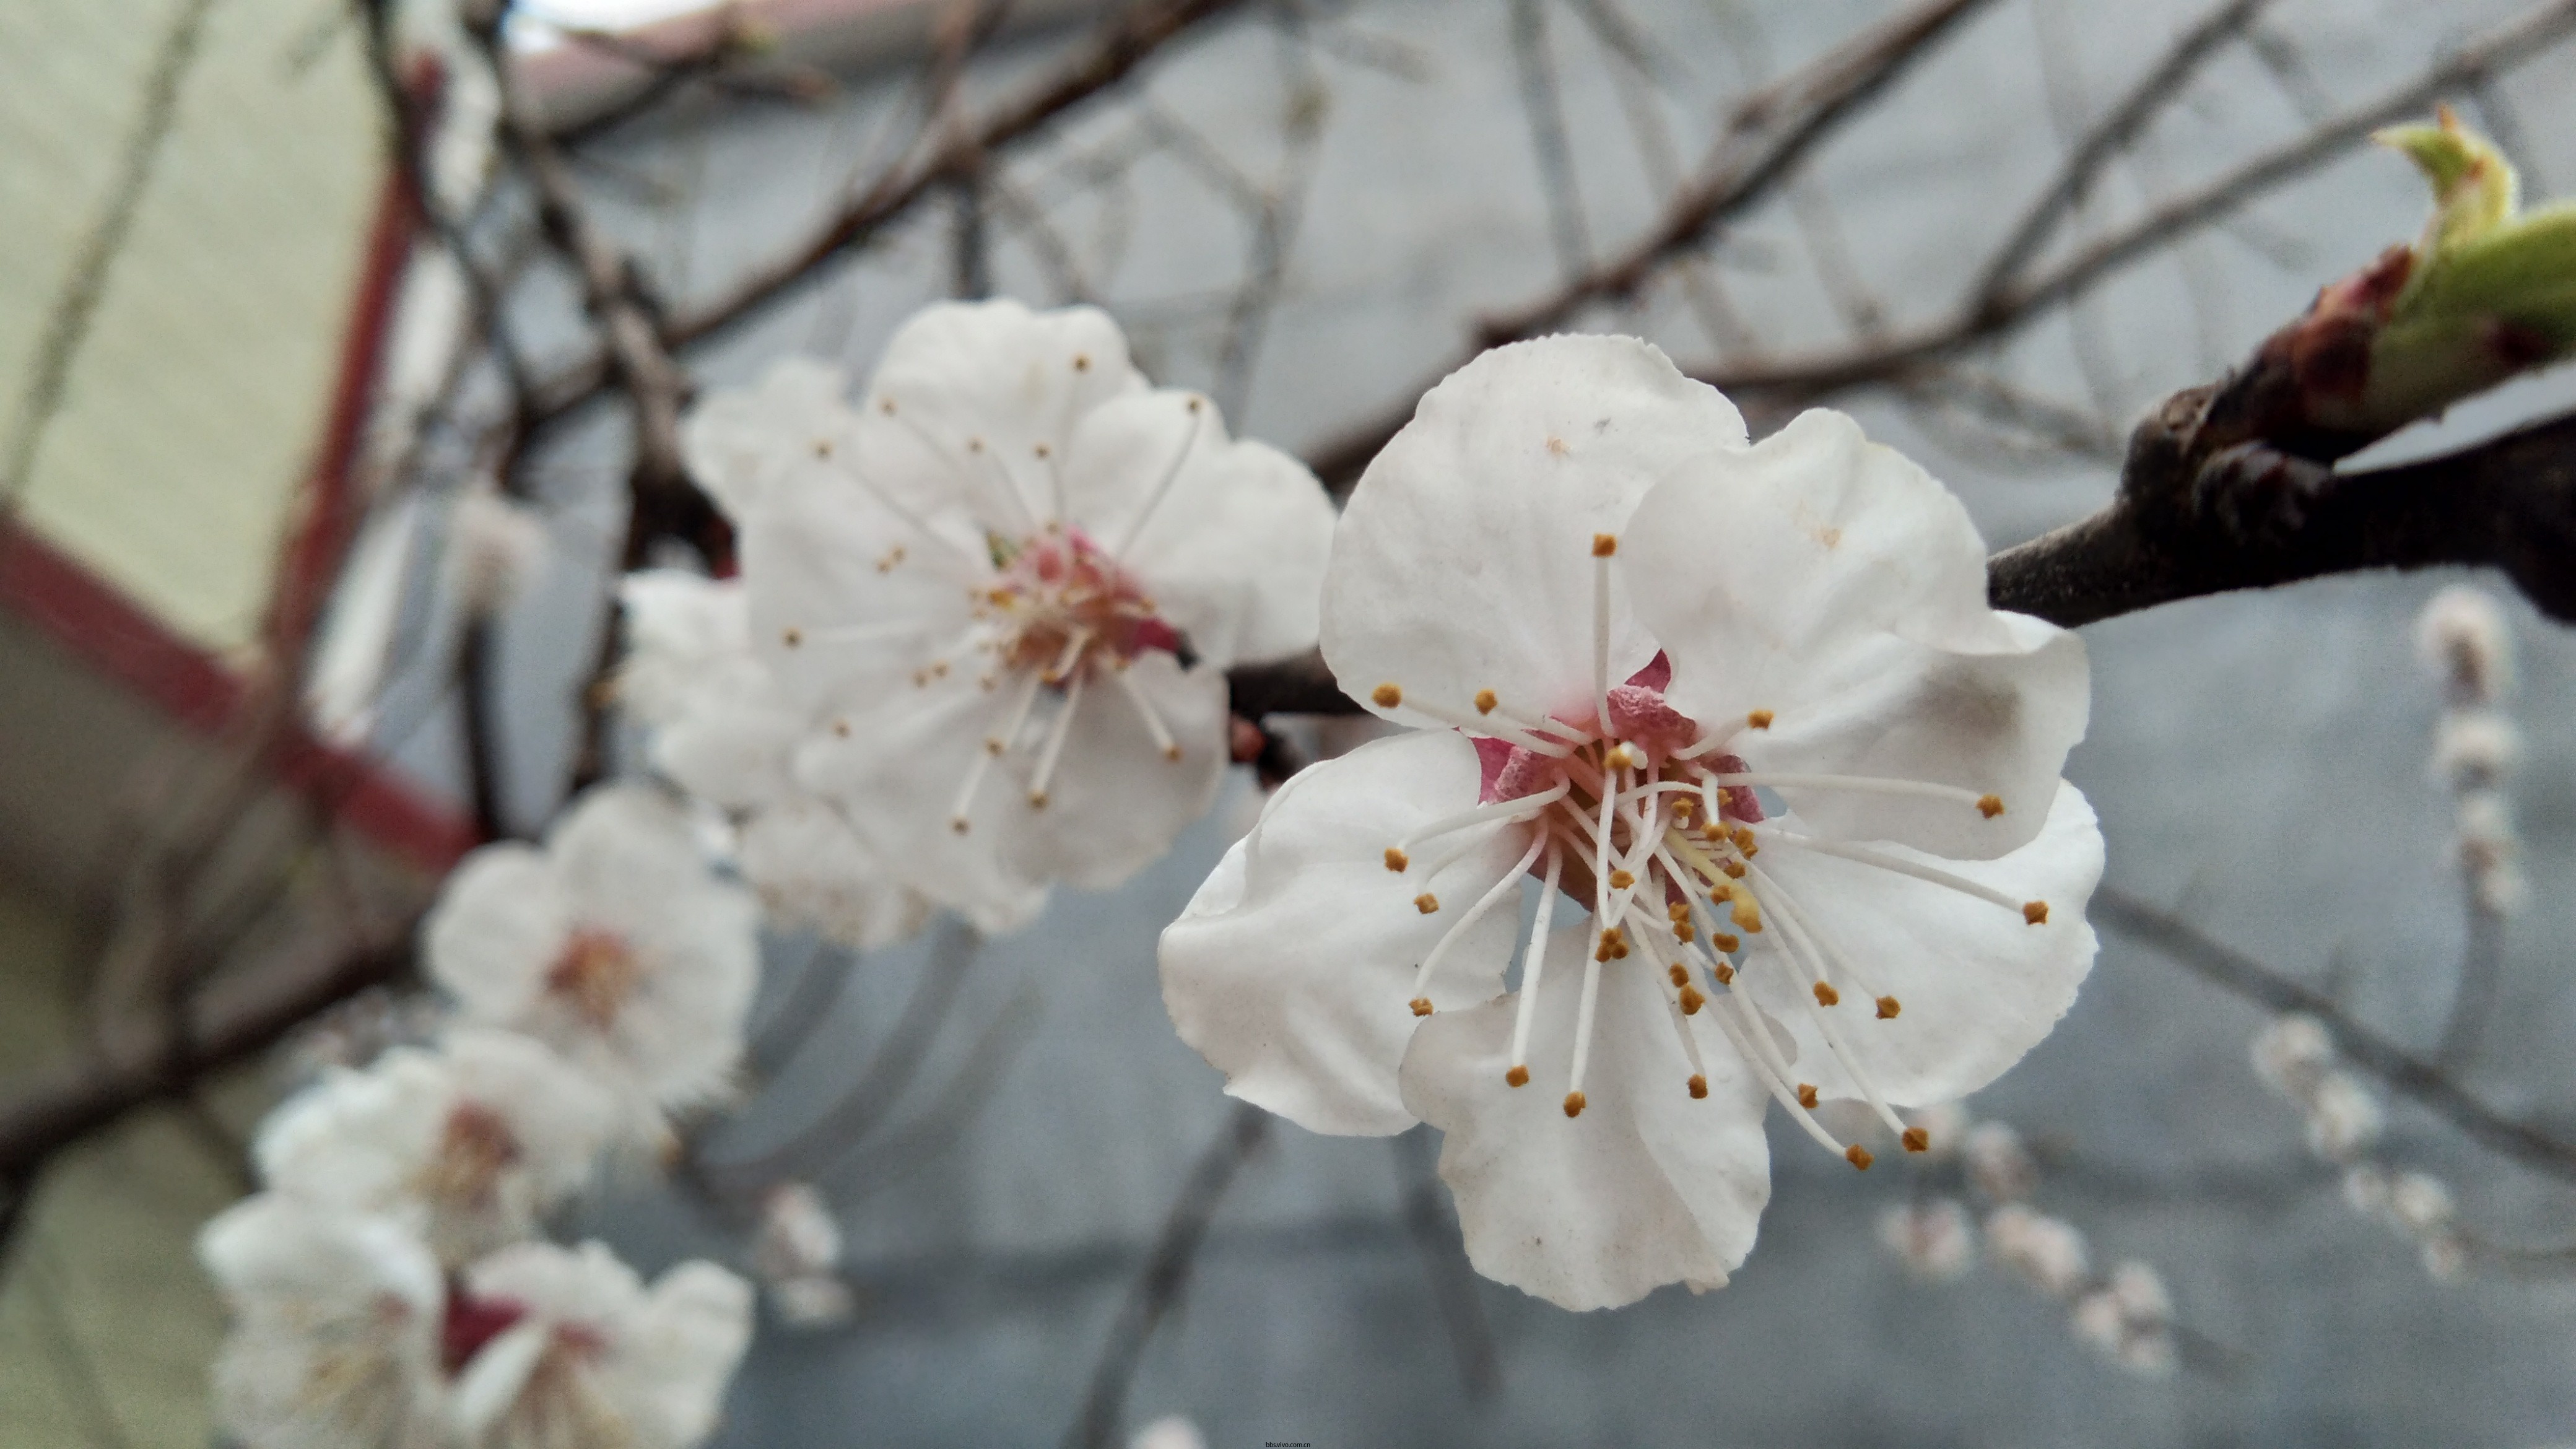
(495, 549)
(1998, 1164)
(2045, 1252)
(797, 1255)
(2474, 748)
(2365, 1188)
(554, 1346)
(2292, 1054)
(723, 731)
(2343, 1118)
(615, 944)
(2420, 1204)
(1008, 595)
(1744, 714)
(2463, 639)
(2490, 852)
(2130, 1321)
(335, 1327)
(469, 1141)
(1932, 1238)
(2444, 1256)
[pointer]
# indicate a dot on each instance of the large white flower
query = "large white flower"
(469, 1142)
(336, 1326)
(1009, 592)
(723, 731)
(566, 1347)
(1630, 640)
(615, 944)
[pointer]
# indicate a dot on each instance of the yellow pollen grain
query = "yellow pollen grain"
(1574, 1104)
(1397, 860)
(2035, 912)
(1426, 903)
(1604, 544)
(1422, 1006)
(1620, 880)
(1807, 1095)
(1917, 1139)
(1680, 974)
(1725, 942)
(1746, 916)
(1516, 1077)
(1724, 973)
(1990, 806)
(1485, 701)
(1827, 996)
(1556, 446)
(1386, 696)
(1858, 1156)
(1698, 1086)
(1888, 1007)
(1760, 719)
(1692, 1001)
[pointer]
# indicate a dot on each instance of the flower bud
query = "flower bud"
(1933, 1239)
(2047, 1253)
(2292, 1053)
(1998, 1164)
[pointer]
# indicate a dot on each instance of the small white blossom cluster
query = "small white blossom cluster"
(797, 1255)
(2295, 1056)
(2125, 1315)
(2466, 644)
(388, 1285)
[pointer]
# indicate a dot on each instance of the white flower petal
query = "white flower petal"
(848, 599)
(1977, 985)
(501, 920)
(1292, 969)
(1233, 552)
(813, 871)
(1114, 802)
(1648, 1186)
(1464, 560)
(731, 746)
(741, 443)
(680, 629)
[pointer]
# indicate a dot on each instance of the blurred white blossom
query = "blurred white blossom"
(2045, 1252)
(2463, 639)
(1932, 1238)
(1998, 1164)
(495, 549)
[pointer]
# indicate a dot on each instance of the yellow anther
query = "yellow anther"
(1746, 916)
(1196, 403)
(1604, 544)
(1990, 806)
(1172, 752)
(1485, 701)
(841, 730)
(1397, 860)
(1692, 1001)
(822, 447)
(1827, 995)
(886, 406)
(1698, 1086)
(1609, 939)
(958, 823)
(1725, 942)
(1858, 1156)
(1807, 1095)
(1619, 952)
(1516, 1077)
(1760, 719)
(1556, 447)
(2035, 912)
(1734, 869)
(1042, 450)
(1724, 973)
(1917, 1139)
(1682, 930)
(1082, 362)
(1037, 799)
(1680, 974)
(1677, 910)
(974, 445)
(1888, 1007)
(791, 636)
(1684, 806)
(1620, 880)
(1426, 903)
(1386, 696)
(1422, 1006)
(1742, 838)
(1574, 1104)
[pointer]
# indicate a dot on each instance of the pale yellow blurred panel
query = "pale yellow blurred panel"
(196, 403)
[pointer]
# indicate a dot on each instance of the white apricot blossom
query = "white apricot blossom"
(1748, 708)
(469, 1142)
(616, 944)
(1008, 594)
(336, 1327)
(724, 732)
(558, 1346)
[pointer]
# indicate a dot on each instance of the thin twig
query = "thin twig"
(1166, 1275)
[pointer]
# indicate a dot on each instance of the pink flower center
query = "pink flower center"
(1064, 604)
(594, 974)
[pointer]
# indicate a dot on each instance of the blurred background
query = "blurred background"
(245, 723)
